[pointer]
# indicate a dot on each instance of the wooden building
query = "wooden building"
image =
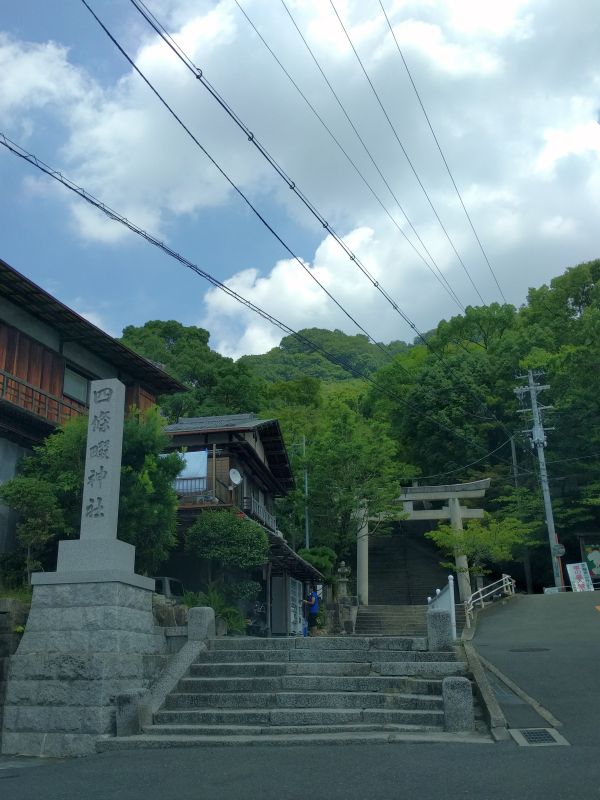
(245, 466)
(48, 356)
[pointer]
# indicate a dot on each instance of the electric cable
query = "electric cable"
(440, 277)
(234, 186)
(410, 163)
(57, 175)
(197, 72)
(439, 147)
(464, 467)
(252, 138)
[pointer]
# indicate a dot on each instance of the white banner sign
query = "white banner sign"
(580, 577)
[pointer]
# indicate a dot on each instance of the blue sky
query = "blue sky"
(512, 88)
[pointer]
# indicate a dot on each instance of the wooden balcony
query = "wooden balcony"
(202, 492)
(209, 492)
(260, 513)
(49, 407)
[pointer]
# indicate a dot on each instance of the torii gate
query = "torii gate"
(453, 494)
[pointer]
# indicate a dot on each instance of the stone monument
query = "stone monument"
(90, 634)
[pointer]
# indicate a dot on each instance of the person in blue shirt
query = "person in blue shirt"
(312, 607)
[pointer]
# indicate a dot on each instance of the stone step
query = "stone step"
(300, 717)
(323, 657)
(340, 668)
(283, 699)
(241, 669)
(278, 730)
(291, 740)
(318, 643)
(310, 683)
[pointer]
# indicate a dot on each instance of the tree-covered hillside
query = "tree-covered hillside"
(443, 412)
(294, 358)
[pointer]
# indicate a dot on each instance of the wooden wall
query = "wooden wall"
(30, 361)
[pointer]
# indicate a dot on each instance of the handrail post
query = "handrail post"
(452, 604)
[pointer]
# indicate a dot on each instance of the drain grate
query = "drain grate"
(537, 737)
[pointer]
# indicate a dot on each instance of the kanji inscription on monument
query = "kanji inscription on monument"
(103, 460)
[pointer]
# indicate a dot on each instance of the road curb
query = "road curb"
(495, 718)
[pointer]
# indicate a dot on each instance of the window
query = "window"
(76, 386)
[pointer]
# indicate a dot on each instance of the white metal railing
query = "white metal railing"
(444, 601)
(258, 511)
(191, 485)
(504, 586)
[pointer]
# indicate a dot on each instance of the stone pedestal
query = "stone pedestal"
(85, 643)
(90, 634)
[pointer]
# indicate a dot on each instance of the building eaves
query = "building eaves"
(19, 290)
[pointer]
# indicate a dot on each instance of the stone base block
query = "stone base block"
(84, 645)
(459, 715)
(76, 555)
(439, 630)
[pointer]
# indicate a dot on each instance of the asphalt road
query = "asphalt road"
(549, 645)
(562, 672)
(375, 772)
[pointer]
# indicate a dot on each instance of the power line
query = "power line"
(252, 138)
(408, 72)
(241, 194)
(439, 276)
(20, 152)
(464, 467)
(197, 72)
(410, 163)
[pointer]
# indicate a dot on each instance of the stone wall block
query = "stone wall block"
(201, 624)
(132, 597)
(439, 630)
(459, 713)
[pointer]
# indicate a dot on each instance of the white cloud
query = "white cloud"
(558, 227)
(579, 140)
(518, 128)
(36, 76)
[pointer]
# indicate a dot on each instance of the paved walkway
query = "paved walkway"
(549, 645)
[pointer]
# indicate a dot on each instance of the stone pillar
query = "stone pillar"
(459, 715)
(462, 565)
(439, 630)
(362, 562)
(90, 635)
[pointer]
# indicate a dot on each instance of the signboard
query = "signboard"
(591, 556)
(580, 577)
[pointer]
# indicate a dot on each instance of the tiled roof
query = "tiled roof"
(225, 421)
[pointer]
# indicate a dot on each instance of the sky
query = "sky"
(511, 88)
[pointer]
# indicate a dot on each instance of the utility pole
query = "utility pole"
(538, 440)
(526, 556)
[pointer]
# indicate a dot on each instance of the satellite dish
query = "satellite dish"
(235, 477)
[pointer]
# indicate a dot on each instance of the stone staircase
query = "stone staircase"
(404, 571)
(305, 691)
(380, 620)
(404, 567)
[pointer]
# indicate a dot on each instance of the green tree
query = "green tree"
(351, 467)
(293, 359)
(217, 385)
(47, 492)
(322, 558)
(227, 539)
(484, 542)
